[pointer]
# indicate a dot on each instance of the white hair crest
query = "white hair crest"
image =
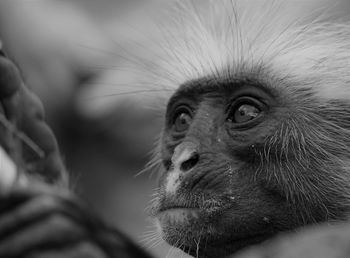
(191, 39)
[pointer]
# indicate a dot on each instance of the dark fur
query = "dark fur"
(287, 171)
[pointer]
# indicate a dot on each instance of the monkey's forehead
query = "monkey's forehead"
(190, 40)
(261, 39)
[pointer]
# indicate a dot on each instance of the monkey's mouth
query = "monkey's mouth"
(178, 215)
(174, 211)
(172, 202)
(177, 212)
(193, 204)
(171, 205)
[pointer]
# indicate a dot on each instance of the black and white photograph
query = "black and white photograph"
(174, 128)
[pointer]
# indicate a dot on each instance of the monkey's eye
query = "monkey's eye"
(244, 113)
(182, 119)
(244, 110)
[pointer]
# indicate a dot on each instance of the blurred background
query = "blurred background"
(71, 53)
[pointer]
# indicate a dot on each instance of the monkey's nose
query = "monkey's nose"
(185, 156)
(190, 163)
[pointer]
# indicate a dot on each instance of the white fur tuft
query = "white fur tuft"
(192, 39)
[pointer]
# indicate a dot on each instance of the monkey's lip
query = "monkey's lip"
(169, 208)
(171, 203)
(178, 216)
(173, 211)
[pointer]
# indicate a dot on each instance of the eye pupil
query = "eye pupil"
(183, 119)
(245, 113)
(182, 122)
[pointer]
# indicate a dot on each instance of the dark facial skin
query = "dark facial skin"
(259, 160)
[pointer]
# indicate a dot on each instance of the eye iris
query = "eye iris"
(182, 122)
(245, 113)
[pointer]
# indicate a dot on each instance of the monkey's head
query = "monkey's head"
(257, 136)
(244, 160)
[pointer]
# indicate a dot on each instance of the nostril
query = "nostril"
(190, 163)
(167, 164)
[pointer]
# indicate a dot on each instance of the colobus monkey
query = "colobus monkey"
(256, 132)
(256, 136)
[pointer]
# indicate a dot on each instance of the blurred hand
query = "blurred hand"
(23, 131)
(38, 219)
(40, 222)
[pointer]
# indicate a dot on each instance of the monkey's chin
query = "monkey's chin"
(180, 227)
(190, 230)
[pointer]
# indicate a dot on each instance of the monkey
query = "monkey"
(255, 135)
(255, 125)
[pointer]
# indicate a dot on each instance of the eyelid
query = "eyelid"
(249, 92)
(178, 100)
(245, 99)
(181, 109)
(251, 123)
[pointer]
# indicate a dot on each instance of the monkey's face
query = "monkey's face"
(243, 161)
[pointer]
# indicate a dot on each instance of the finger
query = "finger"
(8, 173)
(10, 83)
(2, 53)
(25, 111)
(31, 212)
(53, 231)
(48, 163)
(80, 250)
(10, 79)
